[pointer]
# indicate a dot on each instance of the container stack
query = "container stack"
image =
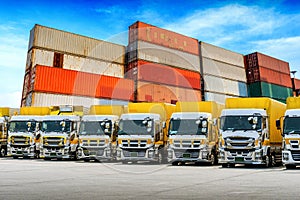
(164, 65)
(64, 59)
(223, 73)
(268, 77)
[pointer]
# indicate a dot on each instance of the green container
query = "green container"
(263, 89)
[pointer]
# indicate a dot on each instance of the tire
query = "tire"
(3, 152)
(175, 163)
(290, 166)
(268, 161)
(15, 157)
(224, 165)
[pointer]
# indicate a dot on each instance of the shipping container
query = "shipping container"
(93, 66)
(163, 37)
(221, 54)
(256, 59)
(69, 43)
(47, 99)
(153, 92)
(217, 97)
(39, 57)
(141, 50)
(158, 73)
(268, 75)
(224, 86)
(223, 70)
(70, 82)
(297, 83)
(263, 89)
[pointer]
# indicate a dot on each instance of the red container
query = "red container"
(157, 73)
(297, 83)
(163, 37)
(256, 59)
(153, 92)
(269, 76)
(70, 82)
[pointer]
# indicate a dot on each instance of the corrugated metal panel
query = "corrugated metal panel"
(222, 55)
(62, 81)
(224, 86)
(153, 72)
(65, 42)
(93, 66)
(297, 83)
(163, 55)
(258, 59)
(223, 70)
(263, 89)
(153, 92)
(153, 34)
(44, 99)
(219, 98)
(257, 74)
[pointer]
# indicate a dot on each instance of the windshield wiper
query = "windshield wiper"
(294, 132)
(122, 133)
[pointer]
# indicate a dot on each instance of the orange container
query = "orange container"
(153, 92)
(157, 73)
(70, 82)
(163, 37)
(297, 83)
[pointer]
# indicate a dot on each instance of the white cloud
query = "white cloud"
(286, 49)
(11, 99)
(231, 21)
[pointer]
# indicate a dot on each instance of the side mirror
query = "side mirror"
(164, 125)
(278, 126)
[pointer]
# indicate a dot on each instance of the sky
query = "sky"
(266, 26)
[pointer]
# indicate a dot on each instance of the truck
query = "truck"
(193, 133)
(248, 133)
(4, 115)
(59, 137)
(142, 133)
(23, 132)
(290, 133)
(97, 133)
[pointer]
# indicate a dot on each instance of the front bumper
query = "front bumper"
(188, 155)
(241, 157)
(291, 157)
(128, 154)
(89, 153)
(21, 151)
(51, 153)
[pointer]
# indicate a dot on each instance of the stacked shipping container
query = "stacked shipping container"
(268, 77)
(223, 73)
(60, 49)
(164, 65)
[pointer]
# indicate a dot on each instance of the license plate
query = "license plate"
(239, 159)
(52, 154)
(133, 154)
(186, 155)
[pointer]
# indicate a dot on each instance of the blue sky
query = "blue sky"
(269, 27)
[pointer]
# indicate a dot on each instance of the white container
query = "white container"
(160, 54)
(70, 43)
(39, 57)
(93, 66)
(46, 99)
(219, 98)
(221, 54)
(223, 70)
(224, 86)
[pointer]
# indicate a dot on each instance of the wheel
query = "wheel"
(225, 165)
(213, 159)
(175, 163)
(290, 166)
(3, 152)
(268, 161)
(86, 160)
(231, 165)
(15, 157)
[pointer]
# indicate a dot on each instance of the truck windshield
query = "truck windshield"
(95, 127)
(135, 127)
(239, 123)
(186, 127)
(291, 125)
(56, 126)
(22, 126)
